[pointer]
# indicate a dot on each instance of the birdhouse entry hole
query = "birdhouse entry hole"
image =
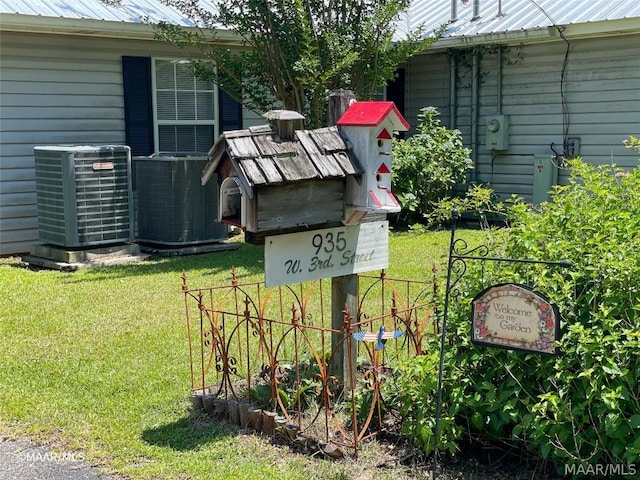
(230, 207)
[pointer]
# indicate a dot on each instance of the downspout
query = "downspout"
(475, 101)
(453, 93)
(454, 10)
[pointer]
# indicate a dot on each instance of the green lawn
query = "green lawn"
(96, 361)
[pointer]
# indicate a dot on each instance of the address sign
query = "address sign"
(330, 252)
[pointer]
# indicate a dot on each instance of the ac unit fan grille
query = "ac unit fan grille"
(173, 207)
(84, 195)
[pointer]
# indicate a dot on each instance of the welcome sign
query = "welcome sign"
(513, 316)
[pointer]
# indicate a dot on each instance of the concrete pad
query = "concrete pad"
(171, 251)
(67, 259)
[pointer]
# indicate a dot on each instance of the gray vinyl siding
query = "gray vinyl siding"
(602, 91)
(427, 81)
(57, 89)
(54, 90)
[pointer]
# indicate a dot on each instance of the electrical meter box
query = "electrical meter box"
(497, 132)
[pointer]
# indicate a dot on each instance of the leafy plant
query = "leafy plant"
(478, 200)
(417, 383)
(581, 407)
(427, 166)
(295, 385)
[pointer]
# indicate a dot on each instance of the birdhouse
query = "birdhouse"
(279, 179)
(368, 127)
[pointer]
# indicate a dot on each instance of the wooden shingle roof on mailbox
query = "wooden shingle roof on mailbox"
(275, 179)
(261, 157)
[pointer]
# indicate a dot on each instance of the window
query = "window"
(167, 109)
(184, 108)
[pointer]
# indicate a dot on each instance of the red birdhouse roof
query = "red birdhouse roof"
(370, 114)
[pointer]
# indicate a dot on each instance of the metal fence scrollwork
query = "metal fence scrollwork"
(262, 357)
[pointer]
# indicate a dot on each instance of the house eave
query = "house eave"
(10, 22)
(514, 37)
(626, 26)
(607, 28)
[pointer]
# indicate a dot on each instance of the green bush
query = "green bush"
(427, 166)
(581, 407)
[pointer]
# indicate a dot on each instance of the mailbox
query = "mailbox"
(278, 178)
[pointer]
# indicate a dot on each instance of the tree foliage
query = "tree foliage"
(294, 51)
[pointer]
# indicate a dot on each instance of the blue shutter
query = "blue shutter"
(230, 112)
(396, 93)
(395, 90)
(138, 107)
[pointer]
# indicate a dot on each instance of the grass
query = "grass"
(96, 361)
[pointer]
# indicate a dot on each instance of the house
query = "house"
(82, 73)
(529, 82)
(526, 82)
(279, 178)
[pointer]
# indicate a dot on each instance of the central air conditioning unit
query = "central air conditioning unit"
(173, 207)
(84, 194)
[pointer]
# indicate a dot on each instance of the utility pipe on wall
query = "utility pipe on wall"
(475, 98)
(453, 64)
(475, 104)
(499, 85)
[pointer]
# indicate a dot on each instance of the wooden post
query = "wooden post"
(344, 296)
(339, 101)
(344, 289)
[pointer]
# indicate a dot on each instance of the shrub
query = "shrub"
(427, 166)
(583, 406)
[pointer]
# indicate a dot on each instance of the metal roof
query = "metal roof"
(496, 17)
(129, 11)
(504, 16)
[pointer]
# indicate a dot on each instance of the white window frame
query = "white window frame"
(157, 123)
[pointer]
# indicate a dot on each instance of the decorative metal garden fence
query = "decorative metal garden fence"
(263, 357)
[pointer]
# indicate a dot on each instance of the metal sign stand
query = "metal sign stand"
(458, 254)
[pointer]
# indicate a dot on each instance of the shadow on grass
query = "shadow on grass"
(248, 260)
(188, 433)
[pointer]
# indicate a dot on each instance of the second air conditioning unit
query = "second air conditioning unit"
(173, 207)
